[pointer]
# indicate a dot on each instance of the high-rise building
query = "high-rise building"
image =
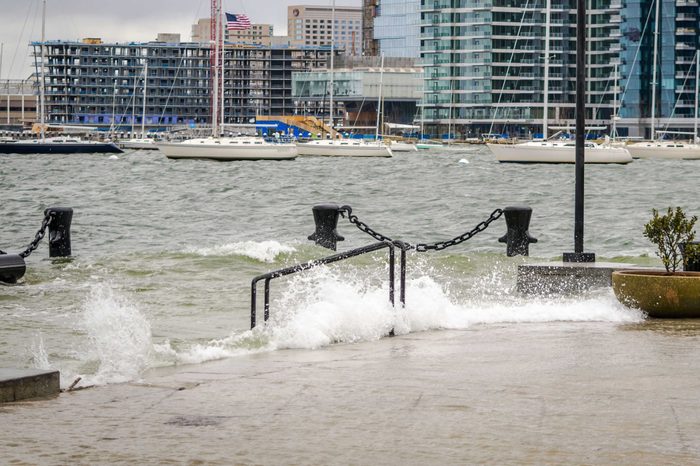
(100, 84)
(369, 12)
(485, 64)
(257, 34)
(397, 28)
(312, 25)
(679, 26)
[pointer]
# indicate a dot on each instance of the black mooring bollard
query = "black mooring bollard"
(12, 268)
(517, 238)
(326, 219)
(59, 231)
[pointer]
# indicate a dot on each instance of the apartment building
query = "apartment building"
(101, 84)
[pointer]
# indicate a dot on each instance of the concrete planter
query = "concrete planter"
(668, 295)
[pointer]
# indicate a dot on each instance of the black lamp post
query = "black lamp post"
(578, 255)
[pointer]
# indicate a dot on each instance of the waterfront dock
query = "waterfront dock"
(567, 393)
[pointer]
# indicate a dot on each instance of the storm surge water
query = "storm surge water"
(164, 253)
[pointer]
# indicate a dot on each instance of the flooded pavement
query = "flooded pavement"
(522, 393)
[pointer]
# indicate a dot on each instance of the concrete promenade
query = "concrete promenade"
(554, 393)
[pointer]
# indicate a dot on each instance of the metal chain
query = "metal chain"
(363, 226)
(422, 247)
(38, 237)
(439, 246)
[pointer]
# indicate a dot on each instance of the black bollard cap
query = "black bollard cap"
(12, 268)
(326, 219)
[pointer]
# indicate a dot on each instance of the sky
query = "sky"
(119, 21)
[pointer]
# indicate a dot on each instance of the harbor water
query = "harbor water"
(157, 294)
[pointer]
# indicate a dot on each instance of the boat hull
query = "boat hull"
(319, 148)
(57, 148)
(521, 153)
(664, 151)
(141, 145)
(226, 152)
(403, 147)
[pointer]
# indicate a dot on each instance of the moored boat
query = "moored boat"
(664, 150)
(402, 146)
(558, 152)
(138, 143)
(228, 149)
(57, 145)
(344, 148)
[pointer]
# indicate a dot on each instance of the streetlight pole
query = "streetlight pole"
(578, 255)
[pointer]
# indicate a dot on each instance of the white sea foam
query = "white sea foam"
(264, 251)
(340, 310)
(119, 336)
(322, 307)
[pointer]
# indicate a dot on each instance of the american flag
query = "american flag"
(237, 22)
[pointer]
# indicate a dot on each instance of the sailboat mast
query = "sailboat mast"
(216, 9)
(545, 100)
(379, 100)
(133, 104)
(653, 78)
(614, 113)
(330, 112)
(697, 91)
(143, 109)
(223, 53)
(42, 96)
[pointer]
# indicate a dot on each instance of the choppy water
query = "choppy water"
(164, 251)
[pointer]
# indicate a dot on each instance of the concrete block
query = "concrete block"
(566, 277)
(23, 384)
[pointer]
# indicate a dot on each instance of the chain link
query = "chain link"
(439, 246)
(422, 247)
(38, 237)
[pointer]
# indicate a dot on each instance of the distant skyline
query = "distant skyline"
(119, 21)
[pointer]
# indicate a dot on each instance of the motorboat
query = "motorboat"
(57, 145)
(344, 148)
(428, 145)
(138, 143)
(227, 149)
(558, 152)
(402, 146)
(664, 150)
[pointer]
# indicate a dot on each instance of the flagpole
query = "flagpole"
(223, 54)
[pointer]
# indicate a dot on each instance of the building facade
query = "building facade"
(358, 82)
(397, 28)
(484, 64)
(102, 84)
(311, 25)
(257, 34)
(18, 103)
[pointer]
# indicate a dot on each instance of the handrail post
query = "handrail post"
(402, 278)
(391, 276)
(253, 298)
(267, 298)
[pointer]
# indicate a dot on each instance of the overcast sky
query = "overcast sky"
(119, 21)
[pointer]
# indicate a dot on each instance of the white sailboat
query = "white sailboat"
(558, 152)
(345, 147)
(555, 151)
(220, 148)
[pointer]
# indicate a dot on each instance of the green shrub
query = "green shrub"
(668, 232)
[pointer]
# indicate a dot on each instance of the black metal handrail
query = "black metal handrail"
(329, 260)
